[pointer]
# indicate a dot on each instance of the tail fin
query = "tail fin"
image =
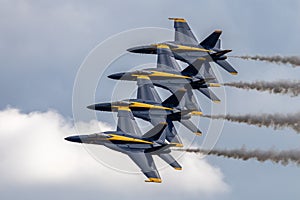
(227, 66)
(157, 133)
(211, 41)
(174, 99)
(183, 33)
(207, 73)
(193, 69)
(165, 58)
(209, 94)
(146, 90)
(218, 44)
(189, 101)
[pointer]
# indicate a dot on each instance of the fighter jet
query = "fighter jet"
(186, 47)
(149, 107)
(168, 75)
(140, 148)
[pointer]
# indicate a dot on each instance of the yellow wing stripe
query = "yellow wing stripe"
(127, 139)
(126, 108)
(188, 48)
(140, 105)
(146, 105)
(143, 77)
(162, 74)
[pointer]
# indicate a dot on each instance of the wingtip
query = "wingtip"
(218, 31)
(154, 180)
(198, 133)
(234, 73)
(178, 168)
(177, 19)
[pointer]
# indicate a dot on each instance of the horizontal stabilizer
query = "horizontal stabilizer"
(170, 160)
(209, 94)
(191, 126)
(227, 66)
(211, 41)
(160, 149)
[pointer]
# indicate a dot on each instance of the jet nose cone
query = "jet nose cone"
(100, 106)
(148, 49)
(73, 139)
(92, 107)
(134, 49)
(116, 76)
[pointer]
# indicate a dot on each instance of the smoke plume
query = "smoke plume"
(277, 87)
(282, 157)
(293, 60)
(276, 121)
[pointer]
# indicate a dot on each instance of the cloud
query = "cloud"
(34, 154)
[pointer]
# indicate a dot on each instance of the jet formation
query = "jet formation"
(179, 107)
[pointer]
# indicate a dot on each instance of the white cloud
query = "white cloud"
(34, 152)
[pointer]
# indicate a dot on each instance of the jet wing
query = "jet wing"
(146, 163)
(127, 123)
(146, 90)
(183, 33)
(165, 58)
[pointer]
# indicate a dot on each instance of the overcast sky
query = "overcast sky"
(42, 45)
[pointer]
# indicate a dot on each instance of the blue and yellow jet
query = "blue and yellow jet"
(186, 47)
(149, 107)
(140, 148)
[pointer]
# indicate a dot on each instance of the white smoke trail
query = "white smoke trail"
(281, 157)
(276, 87)
(293, 60)
(276, 121)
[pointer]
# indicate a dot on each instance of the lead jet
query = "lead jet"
(149, 107)
(140, 148)
(168, 75)
(186, 47)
